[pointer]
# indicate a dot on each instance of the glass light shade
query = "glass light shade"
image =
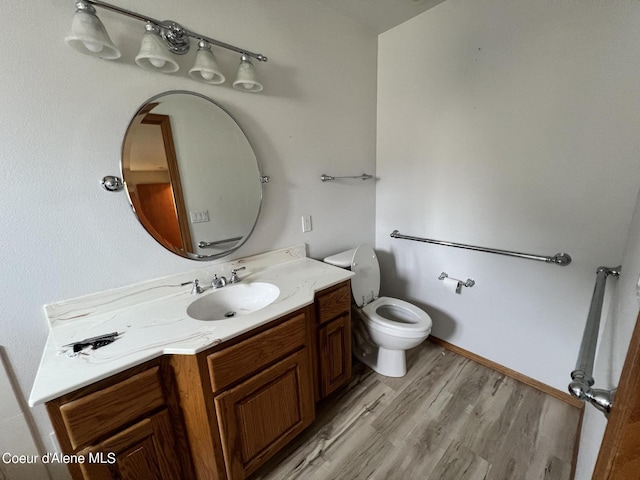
(153, 54)
(205, 69)
(246, 80)
(88, 36)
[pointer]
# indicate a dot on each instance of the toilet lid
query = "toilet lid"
(365, 285)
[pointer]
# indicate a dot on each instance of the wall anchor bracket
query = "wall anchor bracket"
(112, 184)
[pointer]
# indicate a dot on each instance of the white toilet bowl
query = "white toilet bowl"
(383, 327)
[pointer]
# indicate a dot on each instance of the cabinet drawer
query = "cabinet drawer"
(244, 358)
(334, 303)
(101, 412)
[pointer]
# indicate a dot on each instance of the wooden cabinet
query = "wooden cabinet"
(263, 389)
(334, 352)
(246, 398)
(124, 427)
(238, 361)
(144, 450)
(333, 316)
(262, 414)
(216, 415)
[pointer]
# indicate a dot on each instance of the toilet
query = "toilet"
(383, 328)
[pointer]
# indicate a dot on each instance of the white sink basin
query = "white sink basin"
(233, 301)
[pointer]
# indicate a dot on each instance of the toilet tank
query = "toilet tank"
(342, 259)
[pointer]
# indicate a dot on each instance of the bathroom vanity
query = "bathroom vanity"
(206, 379)
(175, 397)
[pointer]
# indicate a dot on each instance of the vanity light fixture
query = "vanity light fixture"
(246, 79)
(153, 55)
(206, 67)
(89, 36)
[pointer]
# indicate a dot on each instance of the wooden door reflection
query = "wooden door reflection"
(156, 192)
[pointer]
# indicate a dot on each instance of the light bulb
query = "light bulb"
(94, 47)
(248, 86)
(207, 75)
(157, 62)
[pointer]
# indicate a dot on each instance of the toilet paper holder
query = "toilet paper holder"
(469, 283)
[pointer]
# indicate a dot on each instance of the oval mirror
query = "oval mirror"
(191, 175)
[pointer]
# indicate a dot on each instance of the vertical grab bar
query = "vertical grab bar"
(582, 375)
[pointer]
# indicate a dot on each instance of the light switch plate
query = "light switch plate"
(306, 223)
(199, 216)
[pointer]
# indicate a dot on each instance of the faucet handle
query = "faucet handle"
(196, 286)
(234, 275)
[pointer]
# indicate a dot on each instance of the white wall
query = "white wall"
(63, 118)
(15, 433)
(615, 334)
(512, 125)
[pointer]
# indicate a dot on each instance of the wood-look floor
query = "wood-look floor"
(449, 418)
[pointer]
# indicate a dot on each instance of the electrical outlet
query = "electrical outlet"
(306, 223)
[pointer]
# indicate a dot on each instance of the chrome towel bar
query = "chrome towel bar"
(582, 376)
(325, 178)
(218, 242)
(562, 259)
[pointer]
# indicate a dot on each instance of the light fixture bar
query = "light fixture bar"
(174, 31)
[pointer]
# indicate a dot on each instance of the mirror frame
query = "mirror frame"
(260, 178)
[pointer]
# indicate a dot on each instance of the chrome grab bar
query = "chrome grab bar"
(582, 375)
(562, 259)
(218, 242)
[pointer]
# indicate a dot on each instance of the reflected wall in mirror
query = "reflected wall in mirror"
(191, 175)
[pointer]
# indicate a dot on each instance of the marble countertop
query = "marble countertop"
(152, 319)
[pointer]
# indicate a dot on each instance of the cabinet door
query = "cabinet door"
(259, 416)
(335, 354)
(144, 450)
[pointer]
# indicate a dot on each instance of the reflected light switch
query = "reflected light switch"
(199, 216)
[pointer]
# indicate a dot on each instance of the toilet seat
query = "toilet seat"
(397, 317)
(365, 285)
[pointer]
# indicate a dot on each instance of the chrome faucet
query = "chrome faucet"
(197, 289)
(218, 282)
(234, 275)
